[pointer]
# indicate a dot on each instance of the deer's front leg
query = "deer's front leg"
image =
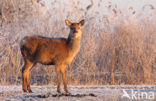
(63, 71)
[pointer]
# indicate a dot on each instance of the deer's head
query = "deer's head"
(75, 28)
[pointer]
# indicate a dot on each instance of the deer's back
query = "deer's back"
(46, 50)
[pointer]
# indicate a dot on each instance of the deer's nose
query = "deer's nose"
(75, 31)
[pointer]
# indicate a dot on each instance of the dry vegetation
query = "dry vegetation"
(116, 48)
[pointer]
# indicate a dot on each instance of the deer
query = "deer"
(50, 51)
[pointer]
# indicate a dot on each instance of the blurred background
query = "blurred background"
(118, 42)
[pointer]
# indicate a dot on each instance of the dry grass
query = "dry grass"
(116, 48)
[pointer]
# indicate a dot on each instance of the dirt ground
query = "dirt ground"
(80, 93)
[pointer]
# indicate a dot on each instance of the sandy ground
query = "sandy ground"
(80, 93)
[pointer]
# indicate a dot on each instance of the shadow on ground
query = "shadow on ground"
(60, 95)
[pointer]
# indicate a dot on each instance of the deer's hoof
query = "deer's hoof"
(24, 90)
(58, 91)
(30, 91)
(67, 94)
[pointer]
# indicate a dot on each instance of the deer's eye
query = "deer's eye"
(72, 28)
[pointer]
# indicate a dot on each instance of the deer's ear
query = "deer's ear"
(68, 23)
(82, 22)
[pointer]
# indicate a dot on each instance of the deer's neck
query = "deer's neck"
(74, 40)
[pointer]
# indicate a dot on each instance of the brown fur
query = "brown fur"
(50, 51)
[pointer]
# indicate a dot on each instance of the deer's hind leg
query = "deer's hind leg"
(58, 79)
(25, 75)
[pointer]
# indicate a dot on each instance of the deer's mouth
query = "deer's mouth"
(75, 31)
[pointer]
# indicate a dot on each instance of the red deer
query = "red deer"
(50, 51)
